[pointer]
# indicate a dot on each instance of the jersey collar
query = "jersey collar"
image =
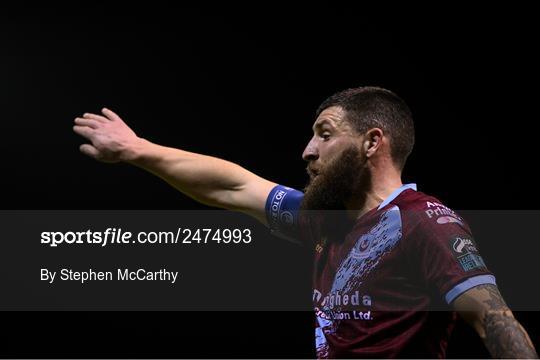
(396, 193)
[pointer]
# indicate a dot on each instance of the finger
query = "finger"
(95, 117)
(89, 150)
(84, 131)
(110, 114)
(91, 123)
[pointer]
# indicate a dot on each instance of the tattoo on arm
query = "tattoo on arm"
(505, 337)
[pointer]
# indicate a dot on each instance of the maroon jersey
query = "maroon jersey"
(384, 289)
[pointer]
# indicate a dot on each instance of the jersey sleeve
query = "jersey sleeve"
(449, 258)
(282, 212)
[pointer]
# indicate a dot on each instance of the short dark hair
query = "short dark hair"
(368, 107)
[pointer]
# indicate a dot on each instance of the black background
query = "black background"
(242, 83)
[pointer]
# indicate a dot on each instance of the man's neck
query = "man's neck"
(382, 187)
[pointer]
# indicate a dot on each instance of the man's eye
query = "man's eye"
(325, 136)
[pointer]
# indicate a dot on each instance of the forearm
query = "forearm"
(504, 337)
(207, 179)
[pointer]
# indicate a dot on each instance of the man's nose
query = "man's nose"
(310, 153)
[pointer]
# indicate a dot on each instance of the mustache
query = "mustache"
(312, 171)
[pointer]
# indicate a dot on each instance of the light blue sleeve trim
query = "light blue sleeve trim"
(468, 284)
(396, 193)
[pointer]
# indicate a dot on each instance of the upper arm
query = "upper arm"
(276, 206)
(475, 304)
(250, 197)
(232, 187)
(484, 308)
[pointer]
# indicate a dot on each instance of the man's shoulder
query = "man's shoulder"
(420, 207)
(416, 200)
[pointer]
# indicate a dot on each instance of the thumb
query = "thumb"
(89, 150)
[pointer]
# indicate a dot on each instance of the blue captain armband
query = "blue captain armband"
(282, 211)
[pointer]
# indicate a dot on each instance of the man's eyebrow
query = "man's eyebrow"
(320, 124)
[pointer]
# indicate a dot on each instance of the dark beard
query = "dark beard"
(344, 178)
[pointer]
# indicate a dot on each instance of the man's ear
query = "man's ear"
(372, 141)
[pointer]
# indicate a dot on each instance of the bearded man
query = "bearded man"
(393, 266)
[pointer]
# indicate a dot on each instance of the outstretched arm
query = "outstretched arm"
(485, 310)
(209, 180)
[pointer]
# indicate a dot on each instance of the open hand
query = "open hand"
(111, 140)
